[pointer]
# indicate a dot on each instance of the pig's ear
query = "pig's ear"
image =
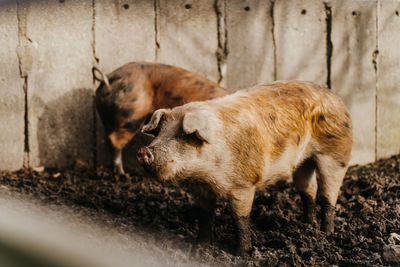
(198, 124)
(155, 119)
(100, 76)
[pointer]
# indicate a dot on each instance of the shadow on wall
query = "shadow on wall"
(130, 163)
(65, 130)
(65, 134)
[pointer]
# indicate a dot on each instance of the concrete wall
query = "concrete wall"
(47, 50)
(12, 91)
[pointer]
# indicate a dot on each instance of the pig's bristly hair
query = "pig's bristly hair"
(289, 111)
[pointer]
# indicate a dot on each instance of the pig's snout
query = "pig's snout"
(144, 156)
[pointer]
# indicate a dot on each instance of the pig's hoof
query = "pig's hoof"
(122, 177)
(204, 240)
(243, 249)
(242, 252)
(327, 227)
(327, 223)
(126, 176)
(310, 219)
(205, 236)
(117, 171)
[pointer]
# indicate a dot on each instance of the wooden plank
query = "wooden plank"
(187, 35)
(60, 94)
(388, 93)
(250, 57)
(353, 74)
(11, 91)
(124, 32)
(300, 34)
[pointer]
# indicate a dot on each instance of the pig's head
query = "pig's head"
(183, 145)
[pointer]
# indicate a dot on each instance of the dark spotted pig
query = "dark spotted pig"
(234, 145)
(131, 93)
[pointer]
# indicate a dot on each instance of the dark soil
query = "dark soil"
(367, 213)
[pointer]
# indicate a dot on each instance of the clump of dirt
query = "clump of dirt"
(367, 213)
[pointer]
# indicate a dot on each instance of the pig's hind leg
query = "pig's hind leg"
(305, 181)
(117, 160)
(118, 141)
(331, 174)
(119, 138)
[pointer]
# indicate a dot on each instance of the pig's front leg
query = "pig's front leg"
(205, 211)
(241, 202)
(206, 221)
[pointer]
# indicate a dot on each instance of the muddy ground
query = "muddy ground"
(368, 212)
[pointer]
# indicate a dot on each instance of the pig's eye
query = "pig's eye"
(181, 135)
(191, 139)
(155, 131)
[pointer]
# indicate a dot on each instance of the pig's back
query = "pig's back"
(284, 105)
